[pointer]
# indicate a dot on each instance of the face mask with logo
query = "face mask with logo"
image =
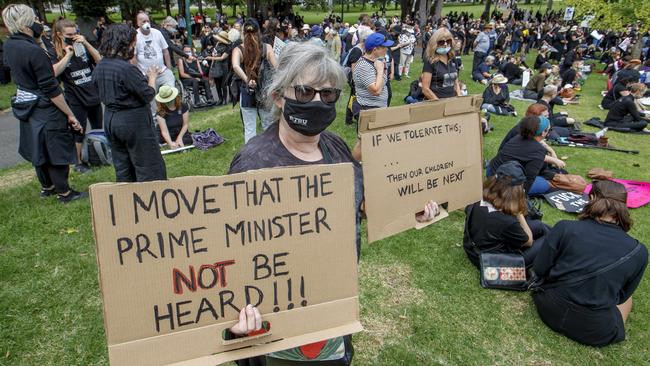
(37, 29)
(443, 50)
(310, 118)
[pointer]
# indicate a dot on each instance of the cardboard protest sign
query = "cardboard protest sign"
(567, 201)
(278, 46)
(178, 259)
(419, 152)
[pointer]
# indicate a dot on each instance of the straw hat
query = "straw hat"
(222, 37)
(499, 79)
(166, 94)
(352, 29)
(305, 27)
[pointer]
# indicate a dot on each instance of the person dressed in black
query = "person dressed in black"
(619, 89)
(127, 95)
(220, 67)
(439, 73)
(624, 114)
(191, 74)
(169, 30)
(513, 71)
(173, 118)
(570, 75)
(46, 120)
(527, 149)
(496, 97)
(75, 71)
(542, 57)
(550, 99)
(589, 270)
(498, 222)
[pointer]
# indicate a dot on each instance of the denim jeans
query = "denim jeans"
(249, 119)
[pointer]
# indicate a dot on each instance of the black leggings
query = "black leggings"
(627, 122)
(194, 84)
(53, 175)
(222, 89)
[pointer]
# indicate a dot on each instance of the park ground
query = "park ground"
(421, 303)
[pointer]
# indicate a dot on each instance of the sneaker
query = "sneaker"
(514, 113)
(82, 168)
(47, 192)
(72, 196)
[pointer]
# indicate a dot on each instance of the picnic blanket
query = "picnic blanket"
(519, 95)
(596, 122)
(638, 193)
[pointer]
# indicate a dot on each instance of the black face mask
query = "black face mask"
(37, 28)
(310, 118)
(68, 41)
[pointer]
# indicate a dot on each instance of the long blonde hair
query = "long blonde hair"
(59, 44)
(440, 34)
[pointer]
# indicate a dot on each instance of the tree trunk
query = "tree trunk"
(486, 12)
(201, 7)
(406, 8)
(423, 11)
(181, 7)
(39, 6)
(168, 8)
(437, 11)
(219, 5)
(549, 5)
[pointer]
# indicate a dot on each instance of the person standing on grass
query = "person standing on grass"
(439, 73)
(151, 51)
(46, 121)
(127, 95)
(481, 46)
(75, 71)
(589, 270)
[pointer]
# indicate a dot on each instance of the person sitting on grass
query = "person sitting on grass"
(513, 70)
(527, 149)
(482, 73)
(173, 118)
(593, 310)
(535, 87)
(550, 99)
(573, 75)
(625, 114)
(496, 97)
(498, 222)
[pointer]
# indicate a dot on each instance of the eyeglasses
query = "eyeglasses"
(305, 94)
(443, 42)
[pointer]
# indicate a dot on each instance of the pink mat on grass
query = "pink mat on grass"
(638, 193)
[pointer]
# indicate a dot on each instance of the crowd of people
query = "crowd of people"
(291, 75)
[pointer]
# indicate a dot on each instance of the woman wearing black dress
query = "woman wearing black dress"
(47, 123)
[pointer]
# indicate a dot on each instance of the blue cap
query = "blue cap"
(544, 123)
(376, 40)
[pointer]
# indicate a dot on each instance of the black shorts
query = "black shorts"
(587, 326)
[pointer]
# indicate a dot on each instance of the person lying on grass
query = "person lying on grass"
(591, 311)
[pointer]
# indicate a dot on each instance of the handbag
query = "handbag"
(569, 182)
(534, 209)
(23, 104)
(505, 271)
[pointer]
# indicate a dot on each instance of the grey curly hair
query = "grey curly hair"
(307, 63)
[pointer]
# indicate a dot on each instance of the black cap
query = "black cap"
(251, 25)
(513, 170)
(546, 65)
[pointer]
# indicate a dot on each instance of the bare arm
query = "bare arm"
(376, 87)
(165, 132)
(236, 65)
(526, 228)
(168, 61)
(186, 124)
(426, 86)
(271, 57)
(60, 66)
(181, 69)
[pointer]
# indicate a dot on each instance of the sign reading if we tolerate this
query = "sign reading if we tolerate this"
(178, 259)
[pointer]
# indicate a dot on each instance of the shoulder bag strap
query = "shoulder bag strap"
(578, 279)
(476, 248)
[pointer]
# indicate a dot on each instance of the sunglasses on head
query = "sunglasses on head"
(444, 42)
(305, 94)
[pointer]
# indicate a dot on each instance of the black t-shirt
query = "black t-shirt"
(528, 152)
(174, 120)
(621, 108)
(613, 94)
(353, 56)
(443, 78)
(77, 80)
(575, 248)
(267, 151)
(489, 228)
(569, 76)
(512, 71)
(539, 61)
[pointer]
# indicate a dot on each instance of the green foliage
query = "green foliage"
(316, 5)
(612, 14)
(91, 8)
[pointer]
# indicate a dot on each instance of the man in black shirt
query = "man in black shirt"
(624, 113)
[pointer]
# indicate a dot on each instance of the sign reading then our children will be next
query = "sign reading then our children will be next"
(419, 152)
(178, 259)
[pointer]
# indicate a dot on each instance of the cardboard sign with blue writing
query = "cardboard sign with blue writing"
(178, 259)
(419, 152)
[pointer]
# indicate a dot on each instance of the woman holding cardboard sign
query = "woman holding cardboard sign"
(440, 74)
(302, 96)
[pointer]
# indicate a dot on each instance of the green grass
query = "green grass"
(421, 303)
(6, 92)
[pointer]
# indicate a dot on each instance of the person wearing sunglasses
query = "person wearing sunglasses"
(440, 74)
(302, 96)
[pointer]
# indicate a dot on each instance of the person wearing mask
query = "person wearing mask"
(498, 224)
(625, 114)
(250, 61)
(589, 270)
(220, 67)
(151, 51)
(333, 42)
(439, 73)
(496, 97)
(407, 43)
(535, 87)
(481, 46)
(173, 118)
(169, 30)
(302, 96)
(527, 149)
(46, 133)
(369, 75)
(482, 73)
(127, 96)
(191, 74)
(75, 71)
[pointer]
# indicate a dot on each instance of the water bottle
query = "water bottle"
(79, 49)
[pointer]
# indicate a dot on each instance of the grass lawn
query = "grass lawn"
(420, 297)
